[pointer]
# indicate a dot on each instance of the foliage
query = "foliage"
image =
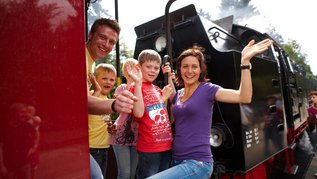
(294, 51)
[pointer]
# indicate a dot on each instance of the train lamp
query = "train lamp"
(220, 134)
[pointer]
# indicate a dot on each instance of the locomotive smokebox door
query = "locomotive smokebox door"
(243, 135)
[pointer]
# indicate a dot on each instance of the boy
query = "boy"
(154, 141)
(103, 82)
(312, 110)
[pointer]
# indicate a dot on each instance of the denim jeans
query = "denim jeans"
(101, 157)
(95, 171)
(186, 169)
(151, 163)
(127, 161)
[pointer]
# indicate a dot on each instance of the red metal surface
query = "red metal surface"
(43, 69)
(259, 172)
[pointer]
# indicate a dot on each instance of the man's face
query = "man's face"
(106, 80)
(102, 42)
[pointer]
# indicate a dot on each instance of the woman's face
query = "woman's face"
(190, 70)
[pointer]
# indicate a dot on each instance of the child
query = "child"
(312, 110)
(123, 140)
(102, 82)
(154, 141)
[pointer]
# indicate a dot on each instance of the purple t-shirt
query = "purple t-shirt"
(193, 123)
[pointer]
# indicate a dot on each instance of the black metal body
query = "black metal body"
(256, 131)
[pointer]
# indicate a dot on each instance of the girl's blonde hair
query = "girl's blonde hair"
(127, 62)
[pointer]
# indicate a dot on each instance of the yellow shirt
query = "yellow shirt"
(98, 134)
(90, 66)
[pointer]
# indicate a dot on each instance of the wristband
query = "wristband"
(246, 66)
(112, 106)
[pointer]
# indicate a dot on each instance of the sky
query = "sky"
(289, 17)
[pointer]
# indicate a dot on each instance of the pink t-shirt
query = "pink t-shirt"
(127, 128)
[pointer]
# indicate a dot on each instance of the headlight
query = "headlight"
(160, 43)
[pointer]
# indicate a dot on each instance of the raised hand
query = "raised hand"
(166, 68)
(95, 85)
(134, 72)
(252, 49)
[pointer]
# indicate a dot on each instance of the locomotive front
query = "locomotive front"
(243, 136)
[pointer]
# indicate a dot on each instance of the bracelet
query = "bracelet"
(246, 66)
(112, 106)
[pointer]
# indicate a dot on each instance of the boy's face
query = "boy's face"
(150, 71)
(106, 80)
(102, 42)
(313, 99)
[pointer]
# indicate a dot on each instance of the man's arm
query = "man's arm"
(122, 104)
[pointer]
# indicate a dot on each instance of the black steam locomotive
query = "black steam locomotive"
(245, 138)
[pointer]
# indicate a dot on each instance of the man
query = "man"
(103, 36)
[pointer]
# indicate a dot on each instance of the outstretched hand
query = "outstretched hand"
(124, 102)
(134, 72)
(252, 49)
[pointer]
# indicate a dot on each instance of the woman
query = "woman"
(192, 156)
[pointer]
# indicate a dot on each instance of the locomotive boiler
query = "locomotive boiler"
(243, 136)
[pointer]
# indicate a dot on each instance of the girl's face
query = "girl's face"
(190, 70)
(314, 99)
(150, 71)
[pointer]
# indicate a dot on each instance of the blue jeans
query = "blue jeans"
(151, 163)
(127, 161)
(101, 157)
(186, 169)
(95, 171)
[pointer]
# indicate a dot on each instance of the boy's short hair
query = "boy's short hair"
(313, 93)
(149, 55)
(127, 62)
(106, 67)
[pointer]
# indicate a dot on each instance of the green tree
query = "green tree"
(294, 51)
(125, 53)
